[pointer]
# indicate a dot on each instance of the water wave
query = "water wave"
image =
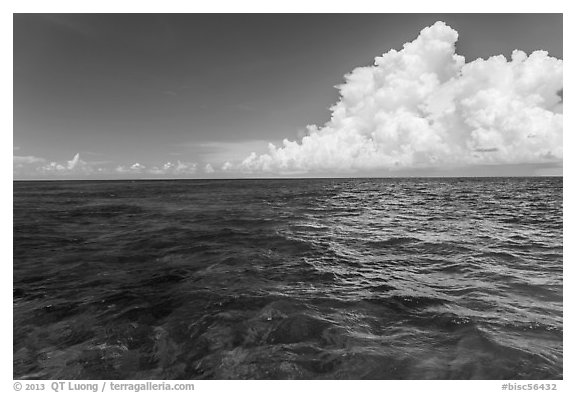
(278, 279)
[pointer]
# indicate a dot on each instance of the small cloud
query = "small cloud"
(53, 167)
(178, 168)
(137, 167)
(134, 168)
(75, 162)
(208, 169)
(26, 160)
(227, 166)
(75, 166)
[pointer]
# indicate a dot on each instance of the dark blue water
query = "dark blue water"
(354, 278)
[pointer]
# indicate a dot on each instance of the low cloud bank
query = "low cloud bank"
(31, 167)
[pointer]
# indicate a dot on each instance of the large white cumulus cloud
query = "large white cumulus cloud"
(424, 106)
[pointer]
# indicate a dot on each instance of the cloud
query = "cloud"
(31, 166)
(75, 166)
(20, 161)
(423, 107)
(76, 162)
(227, 166)
(178, 168)
(53, 167)
(134, 168)
(218, 152)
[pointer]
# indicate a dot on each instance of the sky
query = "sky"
(111, 96)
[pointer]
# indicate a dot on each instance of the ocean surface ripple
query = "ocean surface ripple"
(453, 278)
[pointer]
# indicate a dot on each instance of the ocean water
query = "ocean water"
(455, 278)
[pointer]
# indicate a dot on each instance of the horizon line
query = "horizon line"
(291, 178)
